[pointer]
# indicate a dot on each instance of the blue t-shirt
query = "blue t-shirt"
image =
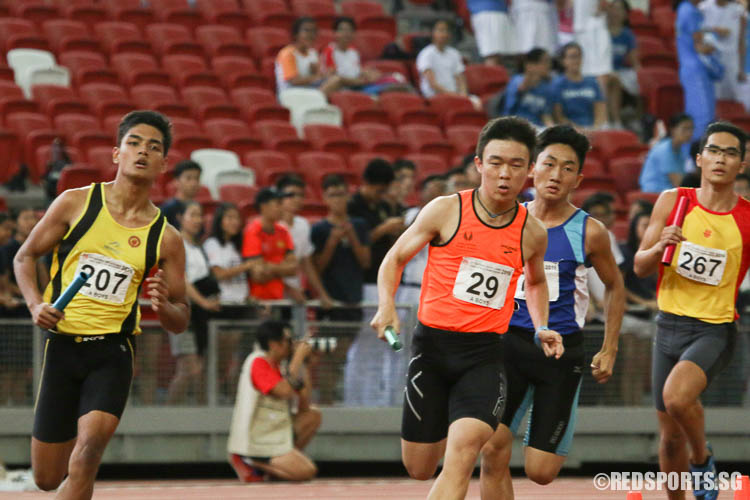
(530, 104)
(565, 265)
(661, 161)
(689, 20)
(622, 44)
(477, 6)
(577, 98)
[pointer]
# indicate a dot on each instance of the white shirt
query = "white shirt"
(196, 266)
(303, 247)
(345, 62)
(728, 16)
(234, 289)
(585, 15)
(445, 64)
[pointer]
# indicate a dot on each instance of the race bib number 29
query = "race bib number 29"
(109, 278)
(482, 282)
(702, 264)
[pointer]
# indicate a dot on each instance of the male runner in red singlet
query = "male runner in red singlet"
(481, 241)
(696, 294)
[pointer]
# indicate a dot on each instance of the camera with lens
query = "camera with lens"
(322, 344)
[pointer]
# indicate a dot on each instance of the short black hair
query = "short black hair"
(447, 22)
(265, 195)
(403, 164)
(184, 205)
(740, 177)
(270, 330)
(378, 172)
(676, 119)
(146, 117)
(564, 134)
(570, 45)
(632, 241)
(431, 178)
(343, 19)
(598, 198)
(289, 180)
(467, 160)
(186, 165)
(730, 128)
(15, 213)
(454, 171)
(332, 180)
(299, 22)
(535, 55)
(216, 230)
(510, 128)
(645, 205)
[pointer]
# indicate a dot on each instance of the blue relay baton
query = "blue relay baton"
(70, 291)
(392, 337)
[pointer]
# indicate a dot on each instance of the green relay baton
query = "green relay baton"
(392, 337)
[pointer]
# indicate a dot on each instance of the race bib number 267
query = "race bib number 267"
(702, 264)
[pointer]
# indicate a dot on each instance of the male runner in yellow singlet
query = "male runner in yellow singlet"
(115, 234)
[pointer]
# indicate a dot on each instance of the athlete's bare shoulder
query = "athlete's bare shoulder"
(441, 216)
(69, 204)
(534, 229)
(171, 240)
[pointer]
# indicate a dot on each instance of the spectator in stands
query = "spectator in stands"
(7, 226)
(270, 247)
(493, 31)
(638, 327)
(470, 169)
(728, 20)
(441, 68)
(368, 363)
(187, 180)
(297, 64)
(456, 180)
(638, 206)
(577, 99)
(540, 26)
(291, 188)
(203, 290)
(664, 167)
(59, 159)
(265, 437)
(15, 344)
(695, 76)
(625, 62)
(223, 250)
(401, 188)
(342, 255)
(529, 95)
(590, 29)
(742, 185)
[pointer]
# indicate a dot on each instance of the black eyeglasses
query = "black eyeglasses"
(728, 152)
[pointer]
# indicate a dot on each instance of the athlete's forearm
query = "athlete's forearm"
(174, 316)
(537, 302)
(614, 307)
(24, 266)
(389, 276)
(647, 262)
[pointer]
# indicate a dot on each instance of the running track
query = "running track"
(329, 489)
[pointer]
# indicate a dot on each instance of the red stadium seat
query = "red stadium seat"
(463, 137)
(188, 137)
(641, 24)
(87, 67)
(267, 163)
(386, 66)
(371, 44)
(160, 98)
(426, 139)
(137, 69)
(281, 136)
(237, 193)
(407, 109)
(610, 143)
(358, 107)
(662, 60)
(457, 110)
(664, 17)
(626, 171)
(82, 131)
(169, 38)
(106, 100)
(316, 161)
(270, 14)
(209, 102)
(78, 175)
(121, 37)
(55, 99)
(36, 11)
(369, 15)
(17, 104)
(634, 196)
(11, 157)
(99, 157)
(222, 41)
(482, 79)
(6, 73)
(331, 139)
(428, 164)
(666, 100)
(17, 33)
(10, 89)
(258, 105)
(267, 41)
(730, 110)
(322, 11)
(359, 161)
(33, 129)
(64, 34)
(234, 135)
(224, 12)
(187, 70)
(130, 11)
(314, 180)
(353, 8)
(177, 12)
(86, 12)
(379, 139)
(238, 72)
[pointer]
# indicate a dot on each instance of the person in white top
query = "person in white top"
(292, 190)
(728, 19)
(223, 250)
(440, 66)
(342, 59)
(539, 21)
(592, 34)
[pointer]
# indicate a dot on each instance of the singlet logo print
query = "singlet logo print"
(468, 236)
(508, 249)
(134, 241)
(707, 233)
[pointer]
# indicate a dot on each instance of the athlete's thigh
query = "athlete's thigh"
(519, 388)
(479, 393)
(107, 385)
(712, 347)
(425, 411)
(51, 458)
(56, 411)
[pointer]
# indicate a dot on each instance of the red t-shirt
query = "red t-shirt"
(264, 376)
(272, 247)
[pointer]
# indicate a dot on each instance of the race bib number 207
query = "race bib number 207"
(109, 279)
(482, 282)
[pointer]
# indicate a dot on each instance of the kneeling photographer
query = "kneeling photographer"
(266, 437)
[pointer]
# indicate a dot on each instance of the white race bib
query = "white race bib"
(552, 273)
(109, 278)
(482, 282)
(702, 264)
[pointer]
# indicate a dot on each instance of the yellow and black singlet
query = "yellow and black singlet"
(117, 258)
